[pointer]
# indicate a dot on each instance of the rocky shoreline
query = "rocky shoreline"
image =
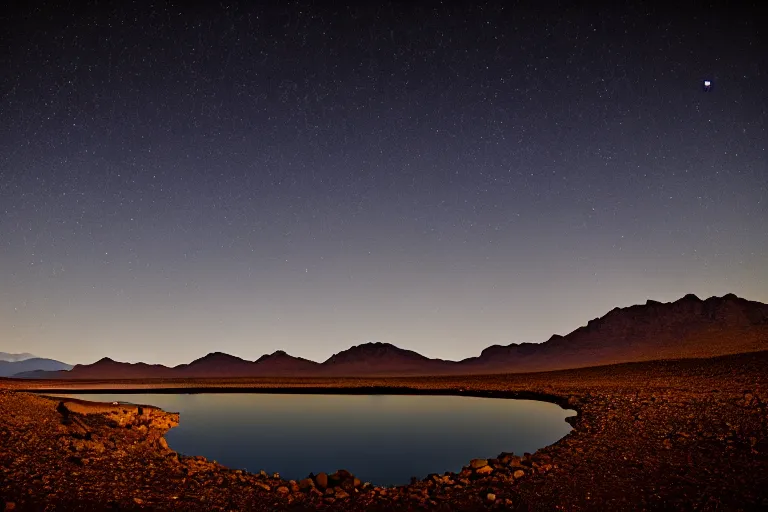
(688, 434)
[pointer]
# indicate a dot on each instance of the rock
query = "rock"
(491, 497)
(330, 491)
(10, 505)
(306, 483)
(485, 470)
(343, 474)
(262, 485)
(504, 457)
(478, 463)
(518, 474)
(341, 494)
(283, 490)
(138, 501)
(321, 480)
(163, 443)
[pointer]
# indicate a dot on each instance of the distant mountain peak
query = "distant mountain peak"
(377, 346)
(687, 327)
(5, 356)
(379, 358)
(374, 347)
(31, 365)
(277, 354)
(217, 357)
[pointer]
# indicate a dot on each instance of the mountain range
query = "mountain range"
(11, 368)
(688, 327)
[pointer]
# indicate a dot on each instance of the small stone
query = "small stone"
(262, 485)
(485, 470)
(491, 497)
(519, 473)
(138, 501)
(478, 463)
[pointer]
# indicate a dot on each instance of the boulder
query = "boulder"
(478, 463)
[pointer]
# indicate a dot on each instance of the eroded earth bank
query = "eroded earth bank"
(690, 434)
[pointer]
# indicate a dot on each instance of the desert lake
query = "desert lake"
(382, 439)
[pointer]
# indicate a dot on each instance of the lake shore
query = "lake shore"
(672, 434)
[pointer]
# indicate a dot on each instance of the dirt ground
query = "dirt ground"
(669, 435)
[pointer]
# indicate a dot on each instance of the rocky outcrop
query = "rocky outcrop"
(84, 433)
(121, 415)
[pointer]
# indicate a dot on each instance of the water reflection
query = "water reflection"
(383, 439)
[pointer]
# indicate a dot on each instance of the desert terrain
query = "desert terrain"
(688, 434)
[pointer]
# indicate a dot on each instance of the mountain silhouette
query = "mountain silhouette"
(281, 364)
(12, 368)
(688, 327)
(382, 359)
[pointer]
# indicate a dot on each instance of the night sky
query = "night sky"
(238, 178)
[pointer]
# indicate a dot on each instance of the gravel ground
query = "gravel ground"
(671, 435)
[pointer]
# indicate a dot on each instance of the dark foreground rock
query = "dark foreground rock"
(680, 435)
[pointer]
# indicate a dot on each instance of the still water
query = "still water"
(382, 439)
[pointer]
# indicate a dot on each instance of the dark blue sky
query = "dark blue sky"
(176, 181)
